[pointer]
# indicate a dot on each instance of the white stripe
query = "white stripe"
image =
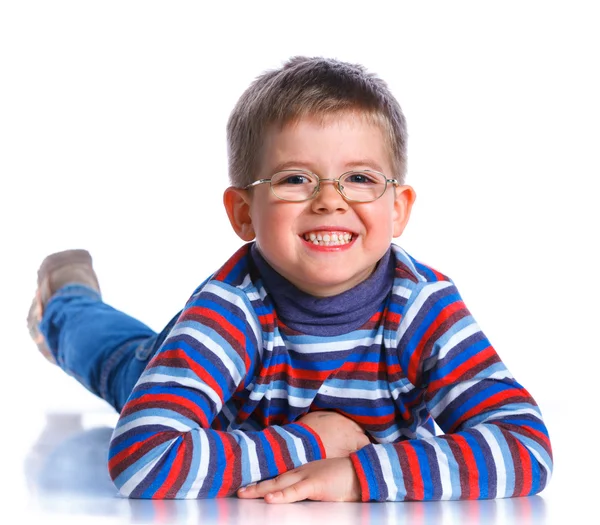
(151, 420)
(298, 445)
(402, 291)
(224, 292)
(329, 345)
(203, 466)
(294, 401)
(541, 460)
(386, 469)
(403, 256)
(196, 384)
(300, 450)
(444, 466)
(492, 441)
(454, 392)
(458, 338)
(418, 303)
(462, 387)
(404, 388)
(215, 348)
(247, 283)
(250, 316)
(129, 486)
(252, 459)
(498, 417)
(394, 436)
(354, 393)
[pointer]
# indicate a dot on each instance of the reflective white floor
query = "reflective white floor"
(58, 472)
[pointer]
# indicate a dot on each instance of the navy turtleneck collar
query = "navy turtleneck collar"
(326, 316)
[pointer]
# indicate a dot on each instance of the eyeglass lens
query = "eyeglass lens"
(355, 185)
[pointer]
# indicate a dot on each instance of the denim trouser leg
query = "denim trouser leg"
(104, 349)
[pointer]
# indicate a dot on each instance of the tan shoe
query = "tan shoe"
(57, 270)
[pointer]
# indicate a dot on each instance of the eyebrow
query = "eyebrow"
(349, 166)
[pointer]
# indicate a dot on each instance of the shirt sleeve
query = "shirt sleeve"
(495, 443)
(165, 444)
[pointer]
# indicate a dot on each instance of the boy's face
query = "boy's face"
(339, 144)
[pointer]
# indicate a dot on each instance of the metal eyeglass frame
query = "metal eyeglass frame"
(336, 183)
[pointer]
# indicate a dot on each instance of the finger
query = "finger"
(303, 489)
(259, 490)
(362, 441)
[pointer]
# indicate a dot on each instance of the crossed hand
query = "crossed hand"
(331, 479)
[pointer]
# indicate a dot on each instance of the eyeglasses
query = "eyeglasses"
(301, 185)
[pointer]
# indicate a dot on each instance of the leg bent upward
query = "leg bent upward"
(104, 349)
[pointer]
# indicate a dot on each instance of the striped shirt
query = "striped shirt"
(218, 404)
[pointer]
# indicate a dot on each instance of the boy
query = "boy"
(313, 363)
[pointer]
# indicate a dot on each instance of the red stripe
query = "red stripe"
(279, 461)
(117, 458)
(223, 323)
(230, 264)
(392, 317)
(266, 319)
(362, 478)
(363, 367)
(526, 470)
(229, 461)
(442, 317)
(384, 420)
(471, 467)
(496, 399)
(295, 373)
(375, 317)
(178, 353)
(176, 401)
(481, 356)
(174, 471)
(415, 479)
(541, 438)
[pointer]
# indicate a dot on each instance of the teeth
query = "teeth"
(328, 239)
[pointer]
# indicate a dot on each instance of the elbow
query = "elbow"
(541, 471)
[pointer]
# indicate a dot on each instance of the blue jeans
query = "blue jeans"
(104, 349)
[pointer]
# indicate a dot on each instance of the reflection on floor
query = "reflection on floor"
(67, 477)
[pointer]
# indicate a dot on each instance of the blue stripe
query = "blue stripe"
(130, 471)
(452, 467)
(264, 446)
(481, 465)
(194, 464)
(245, 458)
(470, 399)
(289, 445)
(396, 471)
(217, 458)
(424, 470)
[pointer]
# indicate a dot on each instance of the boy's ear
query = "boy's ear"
(403, 202)
(237, 206)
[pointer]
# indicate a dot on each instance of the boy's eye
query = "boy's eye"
(291, 178)
(296, 179)
(359, 178)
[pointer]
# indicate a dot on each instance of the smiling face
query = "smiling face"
(286, 232)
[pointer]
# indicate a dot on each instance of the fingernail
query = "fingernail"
(241, 489)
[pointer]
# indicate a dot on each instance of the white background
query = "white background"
(112, 138)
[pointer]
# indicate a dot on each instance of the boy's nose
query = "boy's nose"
(329, 198)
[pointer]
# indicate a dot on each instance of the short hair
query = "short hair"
(310, 87)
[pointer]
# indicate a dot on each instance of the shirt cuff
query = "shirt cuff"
(368, 470)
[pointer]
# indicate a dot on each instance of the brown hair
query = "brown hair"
(310, 87)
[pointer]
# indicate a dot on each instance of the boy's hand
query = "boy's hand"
(340, 435)
(323, 480)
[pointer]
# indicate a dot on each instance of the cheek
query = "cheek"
(273, 220)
